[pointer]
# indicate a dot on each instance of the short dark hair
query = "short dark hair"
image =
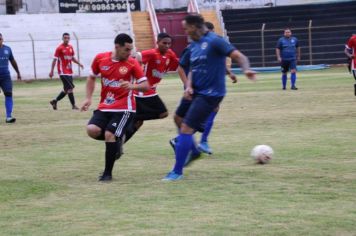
(121, 39)
(209, 25)
(287, 28)
(65, 34)
(195, 19)
(161, 36)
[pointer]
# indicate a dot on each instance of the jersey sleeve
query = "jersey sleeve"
(184, 60)
(57, 53)
(222, 46)
(11, 56)
(95, 69)
(174, 62)
(137, 72)
(146, 55)
(279, 44)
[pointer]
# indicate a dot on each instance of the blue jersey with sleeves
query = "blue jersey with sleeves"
(5, 56)
(288, 47)
(206, 59)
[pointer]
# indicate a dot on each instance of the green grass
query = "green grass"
(49, 167)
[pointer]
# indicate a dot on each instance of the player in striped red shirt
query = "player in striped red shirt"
(121, 75)
(63, 57)
(157, 62)
(350, 51)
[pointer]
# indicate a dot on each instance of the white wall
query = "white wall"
(41, 6)
(96, 33)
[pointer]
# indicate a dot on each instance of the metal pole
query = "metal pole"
(33, 56)
(263, 44)
(310, 43)
(77, 39)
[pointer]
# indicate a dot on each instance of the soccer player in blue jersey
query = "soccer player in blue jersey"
(206, 87)
(288, 53)
(5, 78)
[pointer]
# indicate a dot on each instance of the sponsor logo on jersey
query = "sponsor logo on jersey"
(105, 68)
(204, 45)
(69, 58)
(158, 61)
(123, 70)
(110, 83)
(167, 62)
(6, 51)
(114, 124)
(157, 74)
(110, 99)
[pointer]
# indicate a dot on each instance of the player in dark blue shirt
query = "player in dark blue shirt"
(288, 53)
(5, 78)
(206, 87)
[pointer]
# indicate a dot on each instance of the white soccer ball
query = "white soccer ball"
(262, 154)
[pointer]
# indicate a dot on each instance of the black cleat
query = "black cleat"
(10, 120)
(74, 107)
(294, 88)
(105, 178)
(54, 104)
(355, 89)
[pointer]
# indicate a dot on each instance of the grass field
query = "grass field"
(49, 167)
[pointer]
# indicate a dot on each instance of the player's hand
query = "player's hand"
(233, 78)
(86, 104)
(188, 93)
(19, 77)
(81, 66)
(51, 74)
(125, 84)
(279, 59)
(250, 74)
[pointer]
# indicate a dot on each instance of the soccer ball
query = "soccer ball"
(262, 154)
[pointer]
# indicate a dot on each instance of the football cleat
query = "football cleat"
(10, 120)
(172, 176)
(54, 104)
(204, 147)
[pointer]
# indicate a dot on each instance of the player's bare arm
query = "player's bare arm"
(278, 54)
(143, 86)
(183, 77)
(52, 67)
(90, 86)
(244, 63)
(298, 53)
(16, 68)
(77, 62)
(348, 54)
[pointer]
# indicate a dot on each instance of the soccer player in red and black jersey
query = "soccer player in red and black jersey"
(121, 75)
(157, 62)
(63, 57)
(350, 51)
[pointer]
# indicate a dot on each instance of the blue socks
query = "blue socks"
(8, 105)
(284, 80)
(293, 78)
(183, 146)
(208, 125)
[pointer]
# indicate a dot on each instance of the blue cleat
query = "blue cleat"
(172, 176)
(204, 147)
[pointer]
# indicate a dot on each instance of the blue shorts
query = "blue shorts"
(288, 65)
(197, 111)
(6, 83)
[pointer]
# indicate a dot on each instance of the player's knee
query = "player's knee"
(93, 131)
(293, 71)
(8, 94)
(69, 91)
(177, 120)
(109, 137)
(163, 115)
(185, 129)
(138, 124)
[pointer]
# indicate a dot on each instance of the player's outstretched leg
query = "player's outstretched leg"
(293, 78)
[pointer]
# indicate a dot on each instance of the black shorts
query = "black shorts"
(198, 110)
(115, 122)
(149, 108)
(67, 81)
(288, 65)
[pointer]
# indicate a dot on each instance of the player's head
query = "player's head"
(123, 46)
(65, 38)
(194, 26)
(287, 32)
(210, 26)
(164, 42)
